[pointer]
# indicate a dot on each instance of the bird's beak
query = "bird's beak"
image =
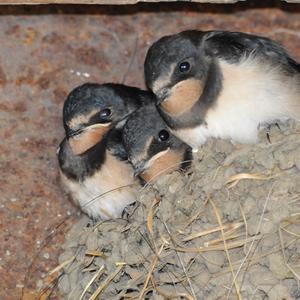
(78, 132)
(162, 94)
(74, 133)
(139, 168)
(98, 125)
(144, 165)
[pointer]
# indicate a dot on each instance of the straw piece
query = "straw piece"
(226, 249)
(235, 179)
(168, 295)
(209, 231)
(104, 285)
(152, 212)
(153, 264)
(95, 253)
(62, 265)
(97, 275)
(232, 245)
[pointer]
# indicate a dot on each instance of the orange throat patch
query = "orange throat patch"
(183, 96)
(89, 138)
(166, 163)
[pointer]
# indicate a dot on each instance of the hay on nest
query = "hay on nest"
(228, 229)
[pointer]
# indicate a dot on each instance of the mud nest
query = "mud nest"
(227, 229)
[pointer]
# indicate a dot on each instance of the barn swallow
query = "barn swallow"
(222, 84)
(93, 162)
(151, 147)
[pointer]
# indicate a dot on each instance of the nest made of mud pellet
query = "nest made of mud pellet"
(227, 229)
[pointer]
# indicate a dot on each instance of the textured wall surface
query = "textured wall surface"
(45, 52)
(119, 2)
(116, 2)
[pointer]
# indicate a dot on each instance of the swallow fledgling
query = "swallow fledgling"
(152, 149)
(222, 84)
(93, 162)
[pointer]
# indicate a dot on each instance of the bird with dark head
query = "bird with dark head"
(152, 149)
(92, 160)
(222, 84)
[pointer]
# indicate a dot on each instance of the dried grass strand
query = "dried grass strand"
(232, 245)
(245, 221)
(107, 192)
(153, 264)
(62, 265)
(181, 263)
(97, 275)
(226, 248)
(104, 285)
(212, 230)
(256, 234)
(220, 240)
(235, 179)
(96, 253)
(283, 247)
(195, 217)
(151, 214)
(167, 295)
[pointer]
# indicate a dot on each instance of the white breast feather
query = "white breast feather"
(99, 196)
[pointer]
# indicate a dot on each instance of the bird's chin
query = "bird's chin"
(140, 169)
(160, 101)
(155, 166)
(182, 97)
(162, 95)
(157, 156)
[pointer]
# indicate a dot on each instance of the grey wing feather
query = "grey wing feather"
(234, 46)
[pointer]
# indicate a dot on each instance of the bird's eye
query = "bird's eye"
(184, 67)
(104, 113)
(163, 135)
